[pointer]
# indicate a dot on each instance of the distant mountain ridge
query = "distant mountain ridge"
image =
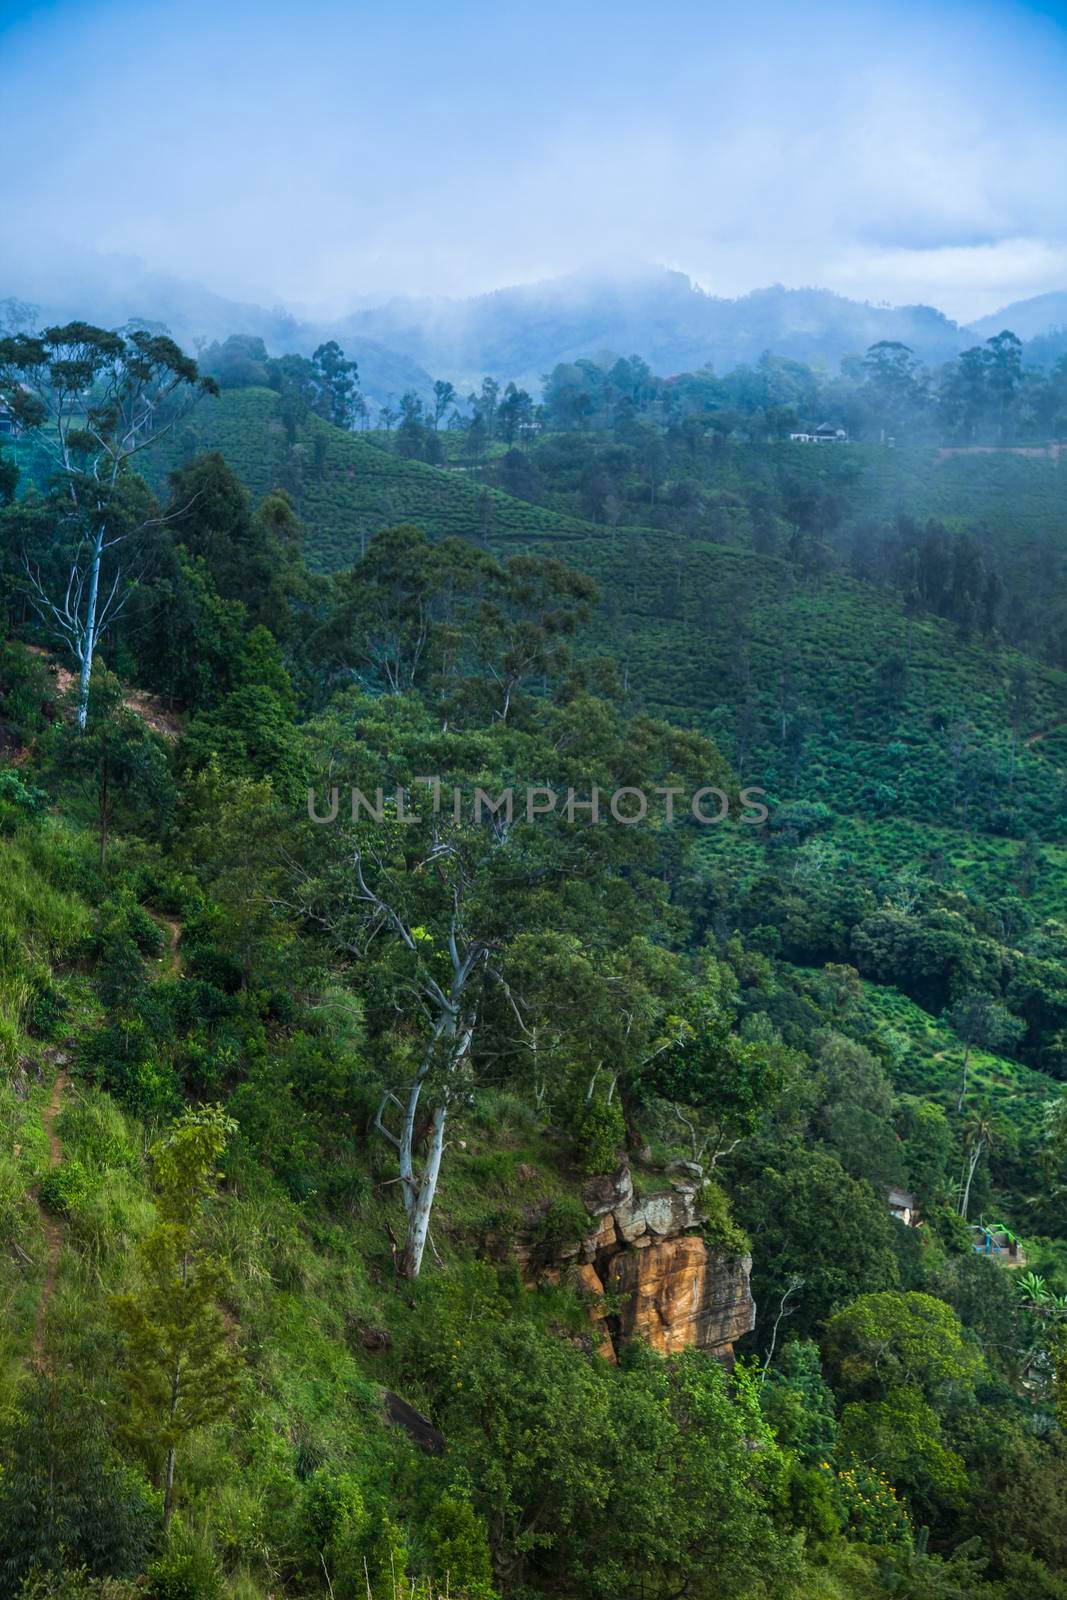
(662, 315)
(111, 292)
(1030, 319)
(521, 332)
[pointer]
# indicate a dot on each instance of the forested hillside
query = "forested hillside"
(346, 488)
(422, 1194)
(743, 614)
(526, 329)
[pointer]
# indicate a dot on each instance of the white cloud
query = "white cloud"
(886, 151)
(974, 279)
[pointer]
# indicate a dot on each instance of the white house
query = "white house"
(825, 433)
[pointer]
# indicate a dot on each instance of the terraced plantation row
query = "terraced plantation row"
(345, 488)
(702, 629)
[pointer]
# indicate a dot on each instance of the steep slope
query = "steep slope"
(510, 1382)
(345, 488)
(787, 678)
(789, 682)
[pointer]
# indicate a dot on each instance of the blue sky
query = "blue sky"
(322, 153)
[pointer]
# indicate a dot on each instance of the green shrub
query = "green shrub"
(48, 1004)
(332, 1508)
(144, 931)
(126, 938)
(10, 1042)
(333, 1524)
(869, 1505)
(76, 1584)
(64, 1187)
(460, 1548)
(564, 1222)
(26, 687)
(19, 797)
(721, 1230)
(186, 1571)
(122, 1059)
(66, 1500)
(12, 1198)
(598, 1132)
(387, 1559)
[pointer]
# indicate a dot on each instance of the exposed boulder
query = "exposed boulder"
(677, 1293)
(419, 1429)
(608, 1192)
(672, 1213)
(604, 1239)
(631, 1222)
(648, 1255)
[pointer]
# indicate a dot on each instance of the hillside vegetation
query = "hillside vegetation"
(419, 1197)
(346, 488)
(790, 676)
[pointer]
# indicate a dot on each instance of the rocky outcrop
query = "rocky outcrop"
(677, 1293)
(647, 1271)
(656, 1216)
(419, 1429)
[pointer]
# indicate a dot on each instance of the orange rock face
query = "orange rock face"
(588, 1284)
(673, 1295)
(665, 1285)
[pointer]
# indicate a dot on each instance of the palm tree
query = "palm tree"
(981, 1131)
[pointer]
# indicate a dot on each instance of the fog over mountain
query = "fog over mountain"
(661, 315)
(111, 291)
(901, 153)
(521, 332)
(1030, 319)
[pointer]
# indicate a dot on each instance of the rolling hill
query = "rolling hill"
(346, 488)
(522, 331)
(666, 318)
(701, 628)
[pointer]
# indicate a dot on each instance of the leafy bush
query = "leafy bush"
(18, 798)
(125, 1059)
(65, 1499)
(49, 1005)
(460, 1548)
(563, 1222)
(799, 1403)
(598, 1132)
(12, 1198)
(334, 1524)
(126, 937)
(78, 1584)
(800, 818)
(64, 1186)
(869, 1505)
(721, 1229)
(332, 1509)
(186, 1571)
